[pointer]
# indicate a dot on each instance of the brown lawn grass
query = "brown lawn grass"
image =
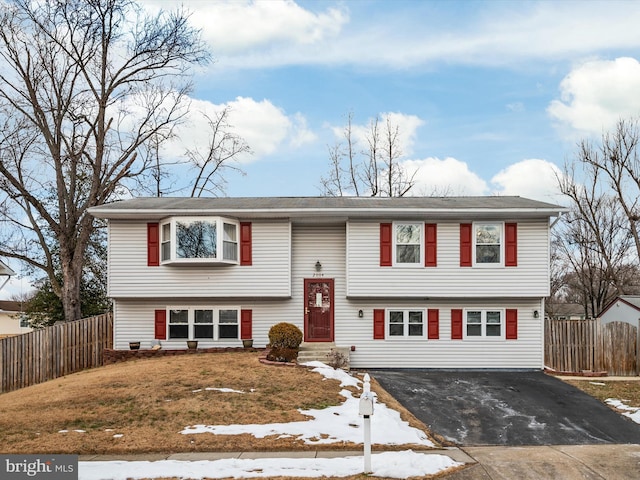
(150, 401)
(624, 390)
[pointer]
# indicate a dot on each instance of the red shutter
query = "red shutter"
(153, 244)
(246, 255)
(511, 244)
(430, 245)
(511, 330)
(246, 324)
(456, 324)
(378, 324)
(386, 244)
(161, 324)
(466, 244)
(433, 322)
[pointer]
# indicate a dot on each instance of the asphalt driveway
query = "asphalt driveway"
(506, 408)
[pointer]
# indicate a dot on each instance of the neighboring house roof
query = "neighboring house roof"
(632, 301)
(10, 306)
(341, 207)
(565, 309)
(5, 270)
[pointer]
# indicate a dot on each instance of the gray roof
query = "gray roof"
(337, 207)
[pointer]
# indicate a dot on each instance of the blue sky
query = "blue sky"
(489, 95)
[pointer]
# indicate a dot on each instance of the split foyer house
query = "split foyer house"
(415, 282)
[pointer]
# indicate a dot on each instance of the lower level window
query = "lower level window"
(406, 323)
(203, 323)
(484, 323)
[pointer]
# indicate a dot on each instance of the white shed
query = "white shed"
(625, 308)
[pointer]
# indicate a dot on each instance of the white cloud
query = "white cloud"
(445, 177)
(532, 178)
(596, 94)
(234, 26)
(258, 34)
(264, 126)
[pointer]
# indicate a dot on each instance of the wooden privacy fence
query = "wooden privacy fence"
(588, 345)
(53, 352)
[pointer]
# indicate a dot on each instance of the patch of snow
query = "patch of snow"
(118, 435)
(223, 390)
(389, 464)
(632, 412)
(598, 383)
(326, 371)
(63, 431)
(336, 424)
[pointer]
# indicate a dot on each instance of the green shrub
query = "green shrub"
(285, 335)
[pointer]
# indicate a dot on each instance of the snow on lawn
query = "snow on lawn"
(337, 424)
(330, 425)
(389, 464)
(632, 412)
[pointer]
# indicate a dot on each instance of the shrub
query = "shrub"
(337, 359)
(285, 335)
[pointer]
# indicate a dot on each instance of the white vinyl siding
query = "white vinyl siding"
(269, 276)
(366, 278)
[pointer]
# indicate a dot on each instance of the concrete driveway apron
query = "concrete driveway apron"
(506, 408)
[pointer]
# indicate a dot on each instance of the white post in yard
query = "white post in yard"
(366, 410)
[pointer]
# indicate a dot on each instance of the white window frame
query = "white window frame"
(420, 261)
(501, 249)
(483, 324)
(170, 244)
(405, 323)
(192, 323)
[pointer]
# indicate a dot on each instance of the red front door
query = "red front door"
(318, 310)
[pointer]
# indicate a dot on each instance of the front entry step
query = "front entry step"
(321, 352)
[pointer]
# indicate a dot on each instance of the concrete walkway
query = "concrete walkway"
(586, 462)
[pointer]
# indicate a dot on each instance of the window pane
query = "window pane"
(474, 317)
(487, 253)
(178, 316)
(408, 253)
(415, 330)
(166, 232)
(203, 316)
(396, 317)
(493, 330)
(488, 234)
(396, 330)
(493, 317)
(203, 331)
(408, 233)
(228, 331)
(230, 242)
(474, 330)
(228, 316)
(415, 317)
(178, 331)
(196, 239)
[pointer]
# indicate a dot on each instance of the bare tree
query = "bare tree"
(375, 171)
(600, 243)
(84, 84)
(223, 150)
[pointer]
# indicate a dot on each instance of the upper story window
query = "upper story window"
(408, 243)
(199, 240)
(488, 243)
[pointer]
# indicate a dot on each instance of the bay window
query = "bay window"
(203, 240)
